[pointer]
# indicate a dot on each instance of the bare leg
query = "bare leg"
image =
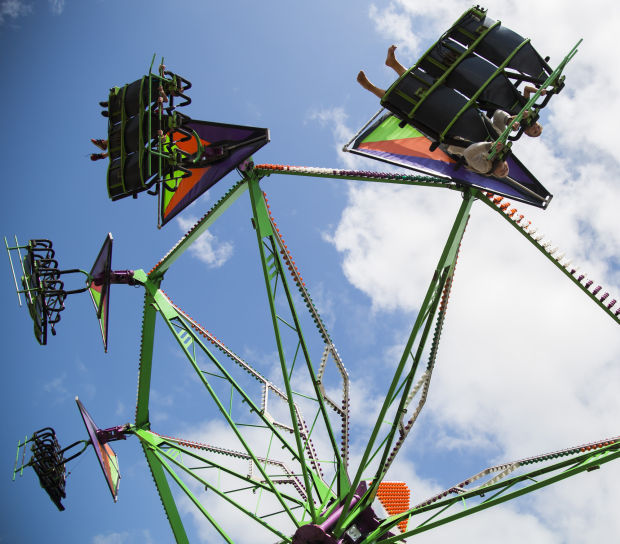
(101, 144)
(363, 81)
(393, 63)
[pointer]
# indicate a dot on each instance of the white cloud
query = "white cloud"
(125, 537)
(390, 21)
(57, 6)
(389, 237)
(207, 248)
(527, 362)
(111, 538)
(336, 118)
(12, 9)
(56, 388)
(504, 524)
(121, 409)
(228, 518)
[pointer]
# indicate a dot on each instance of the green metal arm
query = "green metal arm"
(207, 220)
(146, 348)
(446, 260)
(524, 228)
(154, 442)
(500, 492)
(551, 80)
(165, 495)
(186, 337)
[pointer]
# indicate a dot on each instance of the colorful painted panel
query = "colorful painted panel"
(106, 456)
(99, 287)
(235, 142)
(385, 140)
(395, 496)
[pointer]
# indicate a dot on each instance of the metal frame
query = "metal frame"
(316, 499)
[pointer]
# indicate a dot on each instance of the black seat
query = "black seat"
(136, 95)
(498, 44)
(48, 463)
(135, 175)
(437, 110)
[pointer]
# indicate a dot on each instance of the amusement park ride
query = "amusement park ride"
(306, 488)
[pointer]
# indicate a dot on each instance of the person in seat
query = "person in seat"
(475, 154)
(472, 73)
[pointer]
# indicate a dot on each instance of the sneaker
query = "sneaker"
(104, 113)
(97, 156)
(103, 104)
(101, 144)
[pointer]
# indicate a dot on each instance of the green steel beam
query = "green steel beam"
(168, 312)
(444, 76)
(260, 210)
(551, 80)
(160, 454)
(190, 495)
(433, 293)
(146, 349)
(157, 440)
(540, 248)
(408, 382)
(472, 99)
(333, 173)
(264, 230)
(584, 463)
(165, 495)
(207, 220)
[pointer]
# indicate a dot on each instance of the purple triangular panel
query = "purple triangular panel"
(99, 287)
(241, 142)
(460, 174)
(379, 139)
(105, 454)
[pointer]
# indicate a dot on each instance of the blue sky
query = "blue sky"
(527, 363)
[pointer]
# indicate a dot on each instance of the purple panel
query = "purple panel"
(105, 454)
(519, 175)
(249, 140)
(214, 132)
(461, 175)
(100, 272)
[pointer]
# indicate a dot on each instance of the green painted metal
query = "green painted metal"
(571, 467)
(167, 500)
(163, 454)
(173, 318)
(207, 220)
(440, 80)
(262, 220)
(404, 179)
(480, 195)
(183, 341)
(472, 100)
(154, 443)
(192, 497)
(264, 230)
(272, 266)
(476, 39)
(146, 350)
(446, 263)
(21, 468)
(550, 81)
(8, 250)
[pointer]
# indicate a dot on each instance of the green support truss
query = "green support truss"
(301, 492)
(295, 484)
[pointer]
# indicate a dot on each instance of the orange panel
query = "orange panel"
(394, 496)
